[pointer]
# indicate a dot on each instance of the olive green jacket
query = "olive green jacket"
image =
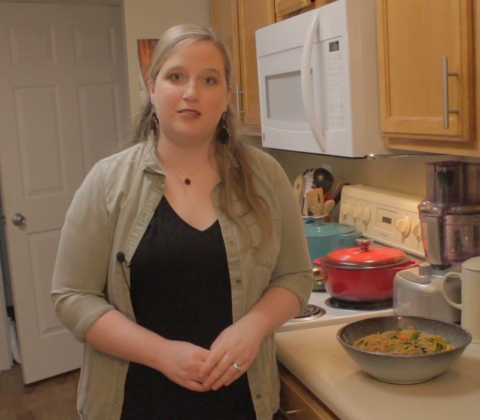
(110, 213)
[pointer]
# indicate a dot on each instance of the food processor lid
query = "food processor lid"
(315, 227)
(365, 257)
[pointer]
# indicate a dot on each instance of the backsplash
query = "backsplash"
(402, 174)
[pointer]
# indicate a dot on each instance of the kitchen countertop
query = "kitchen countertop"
(317, 359)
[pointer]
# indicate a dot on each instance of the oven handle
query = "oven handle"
(307, 87)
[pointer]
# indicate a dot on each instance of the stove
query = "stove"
(361, 306)
(310, 313)
(331, 315)
(390, 219)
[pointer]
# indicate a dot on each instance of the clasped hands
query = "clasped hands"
(201, 370)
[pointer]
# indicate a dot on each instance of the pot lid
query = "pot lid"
(315, 226)
(365, 257)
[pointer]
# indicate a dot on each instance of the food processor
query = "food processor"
(450, 226)
(450, 215)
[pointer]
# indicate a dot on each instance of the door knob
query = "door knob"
(18, 219)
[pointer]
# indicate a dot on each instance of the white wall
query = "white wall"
(150, 19)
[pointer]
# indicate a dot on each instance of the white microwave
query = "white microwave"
(318, 81)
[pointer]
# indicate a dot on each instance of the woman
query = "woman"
(181, 255)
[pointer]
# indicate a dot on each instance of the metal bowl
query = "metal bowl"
(404, 369)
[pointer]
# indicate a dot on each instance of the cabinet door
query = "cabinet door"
(476, 9)
(297, 402)
(224, 19)
(285, 9)
(282, 7)
(237, 21)
(252, 15)
(415, 91)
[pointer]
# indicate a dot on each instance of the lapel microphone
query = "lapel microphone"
(121, 259)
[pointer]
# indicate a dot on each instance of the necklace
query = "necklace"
(187, 179)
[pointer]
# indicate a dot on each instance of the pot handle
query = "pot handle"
(411, 264)
(344, 240)
(317, 273)
(318, 270)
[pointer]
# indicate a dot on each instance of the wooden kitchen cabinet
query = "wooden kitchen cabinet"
(237, 21)
(288, 8)
(415, 92)
(284, 7)
(297, 402)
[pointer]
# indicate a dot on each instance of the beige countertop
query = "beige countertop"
(316, 358)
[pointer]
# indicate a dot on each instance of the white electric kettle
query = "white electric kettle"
(470, 306)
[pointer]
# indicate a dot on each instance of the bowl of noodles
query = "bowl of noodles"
(404, 349)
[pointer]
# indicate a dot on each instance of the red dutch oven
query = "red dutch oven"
(363, 273)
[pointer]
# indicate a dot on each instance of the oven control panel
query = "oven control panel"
(387, 217)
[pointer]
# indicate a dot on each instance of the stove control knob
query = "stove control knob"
(354, 211)
(365, 215)
(417, 231)
(344, 209)
(403, 226)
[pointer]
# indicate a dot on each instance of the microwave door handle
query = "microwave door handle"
(307, 86)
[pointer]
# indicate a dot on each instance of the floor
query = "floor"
(50, 399)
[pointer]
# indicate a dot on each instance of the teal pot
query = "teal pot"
(326, 237)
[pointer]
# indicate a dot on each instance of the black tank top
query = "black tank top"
(180, 289)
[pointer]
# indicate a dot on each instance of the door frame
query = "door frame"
(5, 352)
(6, 360)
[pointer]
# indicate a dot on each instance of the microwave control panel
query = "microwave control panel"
(335, 84)
(387, 217)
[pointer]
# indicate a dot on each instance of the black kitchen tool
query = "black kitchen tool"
(323, 179)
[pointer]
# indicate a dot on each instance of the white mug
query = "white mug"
(470, 306)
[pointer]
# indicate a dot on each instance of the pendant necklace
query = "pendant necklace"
(187, 179)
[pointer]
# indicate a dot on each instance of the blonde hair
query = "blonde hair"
(231, 157)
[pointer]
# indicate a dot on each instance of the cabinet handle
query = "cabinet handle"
(445, 76)
(237, 95)
(286, 414)
(294, 411)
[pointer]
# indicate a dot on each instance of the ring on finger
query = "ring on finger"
(237, 366)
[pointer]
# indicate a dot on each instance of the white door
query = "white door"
(62, 108)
